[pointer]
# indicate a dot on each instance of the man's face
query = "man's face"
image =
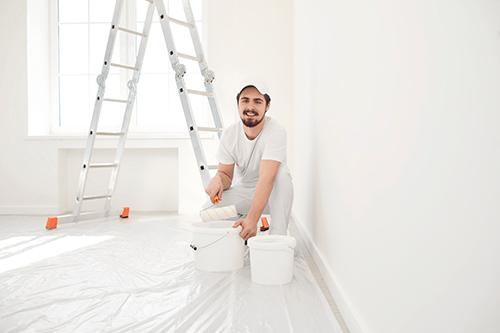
(252, 107)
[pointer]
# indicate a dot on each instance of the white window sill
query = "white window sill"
(130, 136)
(134, 140)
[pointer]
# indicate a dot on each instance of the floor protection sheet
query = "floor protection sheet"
(138, 275)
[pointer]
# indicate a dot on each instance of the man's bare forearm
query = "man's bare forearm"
(267, 175)
(226, 180)
(260, 199)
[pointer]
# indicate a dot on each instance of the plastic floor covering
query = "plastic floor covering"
(138, 275)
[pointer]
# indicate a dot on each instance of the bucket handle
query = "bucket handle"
(199, 248)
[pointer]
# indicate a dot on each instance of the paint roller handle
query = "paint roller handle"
(215, 189)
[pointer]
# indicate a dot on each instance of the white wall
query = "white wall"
(253, 38)
(146, 184)
(391, 142)
(37, 174)
(28, 178)
(397, 167)
(39, 66)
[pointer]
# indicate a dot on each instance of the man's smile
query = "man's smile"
(250, 113)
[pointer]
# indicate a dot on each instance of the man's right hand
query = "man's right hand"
(220, 182)
(215, 188)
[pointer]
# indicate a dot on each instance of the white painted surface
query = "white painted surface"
(396, 170)
(30, 181)
(352, 318)
(38, 57)
(253, 38)
(146, 184)
(394, 153)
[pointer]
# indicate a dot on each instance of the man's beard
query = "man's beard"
(252, 122)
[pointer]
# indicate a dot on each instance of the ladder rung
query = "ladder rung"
(210, 129)
(103, 165)
(115, 100)
(213, 167)
(132, 32)
(93, 197)
(110, 133)
(124, 66)
(150, 1)
(190, 26)
(187, 56)
(202, 93)
(81, 217)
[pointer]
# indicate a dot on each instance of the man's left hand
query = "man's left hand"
(249, 228)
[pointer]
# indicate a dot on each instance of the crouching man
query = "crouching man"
(257, 147)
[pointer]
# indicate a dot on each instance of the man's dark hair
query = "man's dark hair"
(266, 96)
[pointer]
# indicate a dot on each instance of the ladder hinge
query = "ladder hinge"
(180, 71)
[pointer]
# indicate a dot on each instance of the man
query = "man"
(257, 146)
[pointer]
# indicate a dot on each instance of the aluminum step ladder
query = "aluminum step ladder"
(184, 92)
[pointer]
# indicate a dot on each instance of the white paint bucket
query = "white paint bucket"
(218, 246)
(271, 259)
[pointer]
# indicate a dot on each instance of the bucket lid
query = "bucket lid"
(215, 228)
(272, 242)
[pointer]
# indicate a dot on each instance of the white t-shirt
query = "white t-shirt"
(236, 148)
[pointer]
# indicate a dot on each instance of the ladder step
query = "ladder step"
(213, 167)
(115, 100)
(132, 32)
(124, 66)
(187, 56)
(103, 165)
(83, 216)
(93, 197)
(110, 133)
(210, 129)
(202, 93)
(190, 26)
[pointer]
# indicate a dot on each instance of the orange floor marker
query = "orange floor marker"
(265, 224)
(51, 223)
(125, 213)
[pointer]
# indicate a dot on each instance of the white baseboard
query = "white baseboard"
(29, 210)
(351, 316)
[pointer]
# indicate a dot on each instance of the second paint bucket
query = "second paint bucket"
(271, 259)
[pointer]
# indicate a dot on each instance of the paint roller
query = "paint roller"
(220, 213)
(227, 212)
(223, 213)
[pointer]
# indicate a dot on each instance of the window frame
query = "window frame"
(128, 19)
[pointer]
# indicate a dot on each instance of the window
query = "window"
(81, 37)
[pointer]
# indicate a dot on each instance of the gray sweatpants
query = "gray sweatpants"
(279, 205)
